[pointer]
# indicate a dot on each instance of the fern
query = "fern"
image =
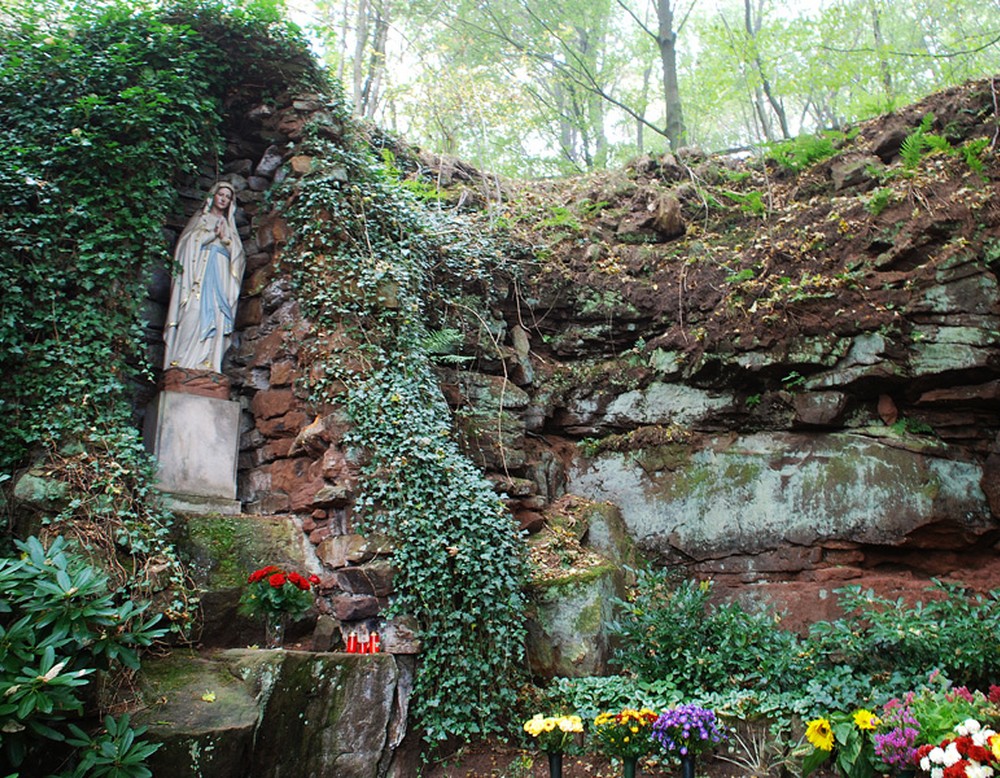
(801, 152)
(911, 151)
(938, 143)
(972, 151)
(442, 342)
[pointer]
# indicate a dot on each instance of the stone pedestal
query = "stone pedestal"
(195, 440)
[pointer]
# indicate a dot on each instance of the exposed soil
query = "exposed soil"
(500, 760)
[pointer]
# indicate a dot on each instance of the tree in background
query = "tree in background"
(530, 87)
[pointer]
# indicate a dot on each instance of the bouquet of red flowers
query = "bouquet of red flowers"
(273, 591)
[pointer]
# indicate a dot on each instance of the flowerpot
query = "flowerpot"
(687, 766)
(628, 766)
(555, 764)
(274, 631)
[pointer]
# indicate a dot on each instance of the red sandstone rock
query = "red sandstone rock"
(372, 579)
(530, 521)
(352, 607)
(250, 313)
(283, 373)
(271, 403)
(991, 483)
(203, 383)
(284, 426)
(293, 477)
(319, 534)
(887, 410)
(310, 440)
(272, 230)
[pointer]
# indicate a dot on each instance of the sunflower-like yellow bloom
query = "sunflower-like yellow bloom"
(534, 726)
(994, 743)
(865, 719)
(818, 733)
(570, 723)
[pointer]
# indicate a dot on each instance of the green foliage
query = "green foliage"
(114, 752)
(104, 106)
(955, 632)
(751, 202)
(746, 274)
(361, 259)
(879, 200)
(441, 345)
(592, 695)
(59, 624)
(676, 630)
(914, 145)
(799, 153)
(912, 427)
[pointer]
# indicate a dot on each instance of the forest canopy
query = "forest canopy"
(548, 87)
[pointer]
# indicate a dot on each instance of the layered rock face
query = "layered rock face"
(792, 396)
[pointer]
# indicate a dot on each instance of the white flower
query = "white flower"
(982, 736)
(951, 755)
(925, 764)
(937, 772)
(936, 755)
(976, 770)
(968, 727)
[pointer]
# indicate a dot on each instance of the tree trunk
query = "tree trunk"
(640, 126)
(666, 40)
(360, 41)
(753, 30)
(883, 63)
(376, 62)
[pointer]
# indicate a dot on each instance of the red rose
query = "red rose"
(923, 751)
(277, 580)
(314, 580)
(299, 581)
(257, 575)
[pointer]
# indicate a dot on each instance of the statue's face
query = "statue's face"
(223, 197)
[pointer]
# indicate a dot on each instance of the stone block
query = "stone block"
(353, 607)
(373, 579)
(195, 441)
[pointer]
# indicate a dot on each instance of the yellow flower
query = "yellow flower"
(818, 733)
(865, 719)
(570, 723)
(994, 742)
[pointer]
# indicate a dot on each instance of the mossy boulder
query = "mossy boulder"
(568, 632)
(260, 714)
(222, 551)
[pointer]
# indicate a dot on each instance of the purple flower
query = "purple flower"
(688, 730)
(897, 747)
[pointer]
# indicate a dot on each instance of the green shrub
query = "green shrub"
(957, 632)
(59, 625)
(676, 631)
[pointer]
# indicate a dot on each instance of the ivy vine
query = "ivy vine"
(361, 257)
(106, 106)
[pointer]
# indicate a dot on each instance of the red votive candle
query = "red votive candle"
(352, 643)
(375, 642)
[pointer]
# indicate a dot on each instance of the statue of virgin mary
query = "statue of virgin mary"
(203, 295)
